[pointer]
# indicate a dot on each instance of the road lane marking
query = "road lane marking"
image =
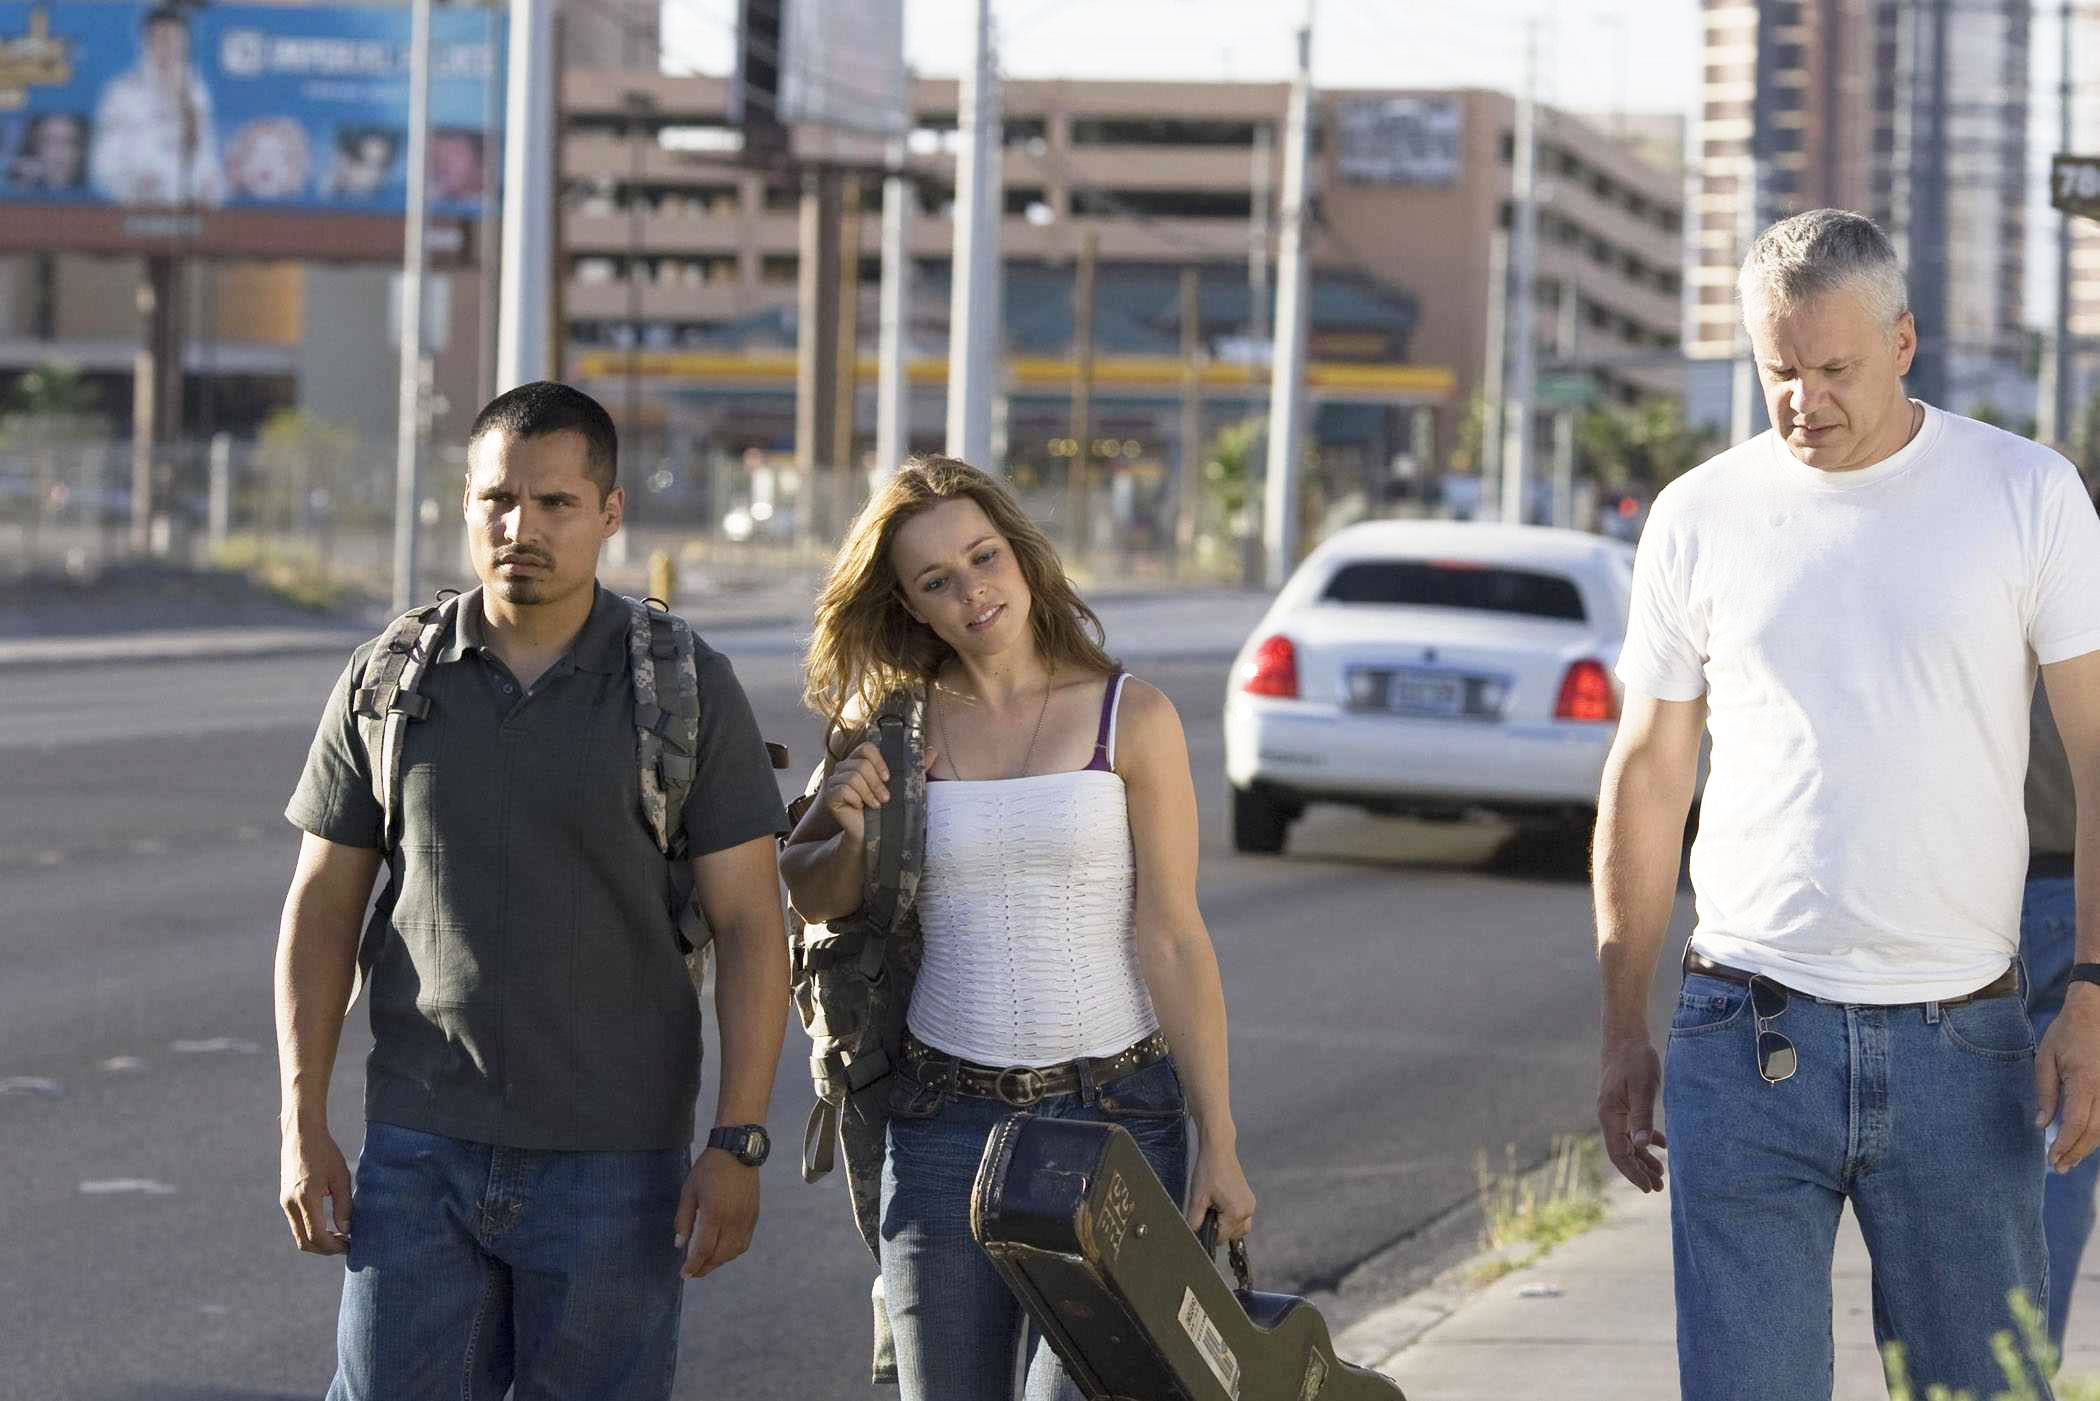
(31, 1085)
(213, 1046)
(113, 1186)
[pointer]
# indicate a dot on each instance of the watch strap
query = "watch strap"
(747, 1143)
(2085, 972)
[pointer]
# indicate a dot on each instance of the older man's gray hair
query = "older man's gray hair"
(1824, 250)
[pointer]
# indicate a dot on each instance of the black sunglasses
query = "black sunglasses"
(1776, 1058)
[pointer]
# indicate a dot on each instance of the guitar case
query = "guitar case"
(1096, 1250)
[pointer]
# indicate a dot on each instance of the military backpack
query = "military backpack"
(853, 980)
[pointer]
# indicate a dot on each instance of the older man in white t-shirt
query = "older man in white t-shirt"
(1854, 605)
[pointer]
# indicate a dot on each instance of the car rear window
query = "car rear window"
(1480, 588)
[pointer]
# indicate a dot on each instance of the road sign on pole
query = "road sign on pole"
(2074, 184)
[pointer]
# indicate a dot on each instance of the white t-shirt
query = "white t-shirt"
(1866, 642)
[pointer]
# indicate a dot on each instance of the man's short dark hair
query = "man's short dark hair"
(166, 14)
(542, 408)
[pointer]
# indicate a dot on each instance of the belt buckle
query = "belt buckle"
(1028, 1083)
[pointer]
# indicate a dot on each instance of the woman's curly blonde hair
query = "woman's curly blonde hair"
(865, 646)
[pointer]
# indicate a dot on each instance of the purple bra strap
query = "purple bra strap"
(1099, 763)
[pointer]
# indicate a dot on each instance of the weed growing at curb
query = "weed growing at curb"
(1527, 1214)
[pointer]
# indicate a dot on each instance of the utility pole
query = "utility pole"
(1564, 416)
(1524, 357)
(2055, 408)
(1749, 219)
(1491, 382)
(974, 304)
(639, 105)
(528, 197)
(1077, 474)
(817, 345)
(838, 481)
(1930, 22)
(1258, 237)
(408, 428)
(893, 383)
(1187, 483)
(1287, 385)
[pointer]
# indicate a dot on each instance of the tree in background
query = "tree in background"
(1640, 447)
(302, 484)
(52, 417)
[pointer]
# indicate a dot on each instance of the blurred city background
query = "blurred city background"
(1517, 226)
(1211, 280)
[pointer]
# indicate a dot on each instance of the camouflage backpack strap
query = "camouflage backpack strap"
(664, 667)
(389, 696)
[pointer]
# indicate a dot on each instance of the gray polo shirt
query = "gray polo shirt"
(527, 984)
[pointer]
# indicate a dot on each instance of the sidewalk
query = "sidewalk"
(1595, 1320)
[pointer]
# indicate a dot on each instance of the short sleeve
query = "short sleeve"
(334, 798)
(735, 797)
(1661, 657)
(2064, 620)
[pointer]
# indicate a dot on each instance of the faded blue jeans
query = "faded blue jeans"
(474, 1269)
(2048, 935)
(1921, 1116)
(960, 1333)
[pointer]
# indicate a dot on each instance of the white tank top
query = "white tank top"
(1027, 907)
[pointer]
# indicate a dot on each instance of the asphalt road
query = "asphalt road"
(1402, 998)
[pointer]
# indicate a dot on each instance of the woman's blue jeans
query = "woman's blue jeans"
(960, 1333)
(1922, 1117)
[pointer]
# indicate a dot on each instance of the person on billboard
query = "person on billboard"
(364, 160)
(53, 153)
(269, 159)
(455, 166)
(154, 140)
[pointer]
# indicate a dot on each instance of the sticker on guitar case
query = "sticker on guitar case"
(1315, 1376)
(1210, 1342)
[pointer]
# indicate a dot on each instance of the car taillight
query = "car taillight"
(1586, 694)
(1272, 670)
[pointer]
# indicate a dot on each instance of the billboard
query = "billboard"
(1400, 141)
(166, 117)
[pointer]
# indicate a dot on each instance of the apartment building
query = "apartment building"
(1914, 114)
(681, 269)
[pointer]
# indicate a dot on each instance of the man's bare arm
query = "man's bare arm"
(1641, 809)
(316, 970)
(2067, 1068)
(739, 892)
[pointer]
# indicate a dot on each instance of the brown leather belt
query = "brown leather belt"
(1022, 1085)
(2006, 984)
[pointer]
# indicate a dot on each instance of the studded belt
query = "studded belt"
(1023, 1085)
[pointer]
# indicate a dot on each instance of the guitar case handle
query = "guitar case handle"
(1236, 1252)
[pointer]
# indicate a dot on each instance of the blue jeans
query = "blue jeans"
(2048, 930)
(474, 1268)
(1921, 1116)
(960, 1333)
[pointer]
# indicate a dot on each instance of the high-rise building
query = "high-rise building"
(1912, 113)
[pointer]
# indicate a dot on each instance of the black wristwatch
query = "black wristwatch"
(747, 1143)
(2085, 972)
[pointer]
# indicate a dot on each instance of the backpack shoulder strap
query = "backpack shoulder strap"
(390, 695)
(664, 667)
(896, 832)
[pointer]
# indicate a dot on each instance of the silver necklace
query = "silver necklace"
(1028, 754)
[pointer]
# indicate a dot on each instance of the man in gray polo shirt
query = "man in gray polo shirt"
(526, 1201)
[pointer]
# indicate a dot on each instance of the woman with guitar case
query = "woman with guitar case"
(1062, 966)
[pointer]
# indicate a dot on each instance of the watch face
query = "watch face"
(757, 1146)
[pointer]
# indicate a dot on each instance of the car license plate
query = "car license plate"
(1434, 694)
